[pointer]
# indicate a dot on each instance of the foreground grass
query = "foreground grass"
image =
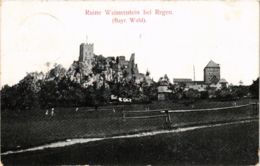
(25, 130)
(235, 144)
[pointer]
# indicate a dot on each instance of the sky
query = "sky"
(192, 34)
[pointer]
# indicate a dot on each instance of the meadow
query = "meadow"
(235, 144)
(21, 130)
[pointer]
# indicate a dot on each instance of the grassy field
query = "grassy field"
(235, 144)
(31, 128)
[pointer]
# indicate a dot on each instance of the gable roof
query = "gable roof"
(212, 64)
(222, 80)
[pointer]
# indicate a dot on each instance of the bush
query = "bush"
(192, 94)
(254, 89)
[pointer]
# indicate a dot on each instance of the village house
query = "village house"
(163, 88)
(211, 79)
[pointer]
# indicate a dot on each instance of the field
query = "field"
(235, 144)
(32, 128)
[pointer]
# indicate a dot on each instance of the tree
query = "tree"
(28, 89)
(239, 91)
(8, 97)
(204, 95)
(49, 94)
(254, 88)
(192, 94)
(224, 94)
(103, 94)
(23, 95)
(150, 91)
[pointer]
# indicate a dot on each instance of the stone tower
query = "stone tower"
(86, 54)
(132, 67)
(212, 73)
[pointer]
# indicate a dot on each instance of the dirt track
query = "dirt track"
(228, 143)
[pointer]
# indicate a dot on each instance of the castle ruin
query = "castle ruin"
(86, 53)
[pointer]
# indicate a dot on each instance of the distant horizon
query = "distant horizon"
(191, 34)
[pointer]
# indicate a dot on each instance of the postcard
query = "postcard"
(129, 82)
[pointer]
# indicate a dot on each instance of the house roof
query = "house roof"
(212, 64)
(199, 82)
(222, 80)
(181, 80)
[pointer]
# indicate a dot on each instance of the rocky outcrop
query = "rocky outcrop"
(104, 70)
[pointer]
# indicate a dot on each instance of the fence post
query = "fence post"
(123, 116)
(167, 119)
(254, 109)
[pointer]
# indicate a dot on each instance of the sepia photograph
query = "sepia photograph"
(129, 82)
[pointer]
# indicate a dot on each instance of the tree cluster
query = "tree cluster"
(55, 89)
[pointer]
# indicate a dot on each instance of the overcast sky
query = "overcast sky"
(226, 32)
